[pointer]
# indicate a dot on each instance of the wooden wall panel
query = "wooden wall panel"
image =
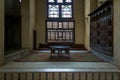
(56, 76)
(83, 76)
(43, 76)
(29, 76)
(15, 76)
(2, 76)
(60, 76)
(109, 76)
(23, 76)
(116, 76)
(102, 76)
(76, 76)
(101, 29)
(96, 76)
(90, 76)
(9, 76)
(63, 76)
(50, 76)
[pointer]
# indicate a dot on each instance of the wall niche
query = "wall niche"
(12, 25)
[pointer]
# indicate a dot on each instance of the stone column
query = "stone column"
(87, 24)
(116, 31)
(41, 15)
(32, 21)
(27, 10)
(78, 14)
(2, 31)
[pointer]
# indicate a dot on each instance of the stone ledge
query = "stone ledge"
(16, 55)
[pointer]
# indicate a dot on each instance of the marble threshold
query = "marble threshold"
(59, 67)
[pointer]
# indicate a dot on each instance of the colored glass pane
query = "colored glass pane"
(51, 1)
(59, 1)
(68, 1)
(66, 11)
(53, 11)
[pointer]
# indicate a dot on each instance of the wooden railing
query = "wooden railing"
(59, 75)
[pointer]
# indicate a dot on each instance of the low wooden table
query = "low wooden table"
(59, 50)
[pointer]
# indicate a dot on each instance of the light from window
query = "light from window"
(66, 11)
(68, 1)
(55, 25)
(60, 25)
(59, 1)
(53, 11)
(60, 34)
(52, 35)
(20, 1)
(71, 25)
(50, 0)
(65, 25)
(67, 35)
(49, 36)
(49, 24)
(60, 31)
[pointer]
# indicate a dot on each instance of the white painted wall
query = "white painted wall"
(41, 17)
(28, 23)
(116, 30)
(87, 24)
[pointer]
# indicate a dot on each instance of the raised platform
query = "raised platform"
(16, 55)
(59, 71)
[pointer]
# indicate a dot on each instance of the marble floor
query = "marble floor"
(59, 66)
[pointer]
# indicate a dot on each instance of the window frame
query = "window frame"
(61, 19)
(73, 38)
(60, 9)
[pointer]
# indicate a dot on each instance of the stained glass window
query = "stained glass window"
(53, 11)
(59, 1)
(60, 8)
(60, 23)
(66, 11)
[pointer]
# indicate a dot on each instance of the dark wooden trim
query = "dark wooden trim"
(100, 7)
(19, 76)
(46, 74)
(63, 30)
(34, 39)
(59, 75)
(113, 26)
(66, 76)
